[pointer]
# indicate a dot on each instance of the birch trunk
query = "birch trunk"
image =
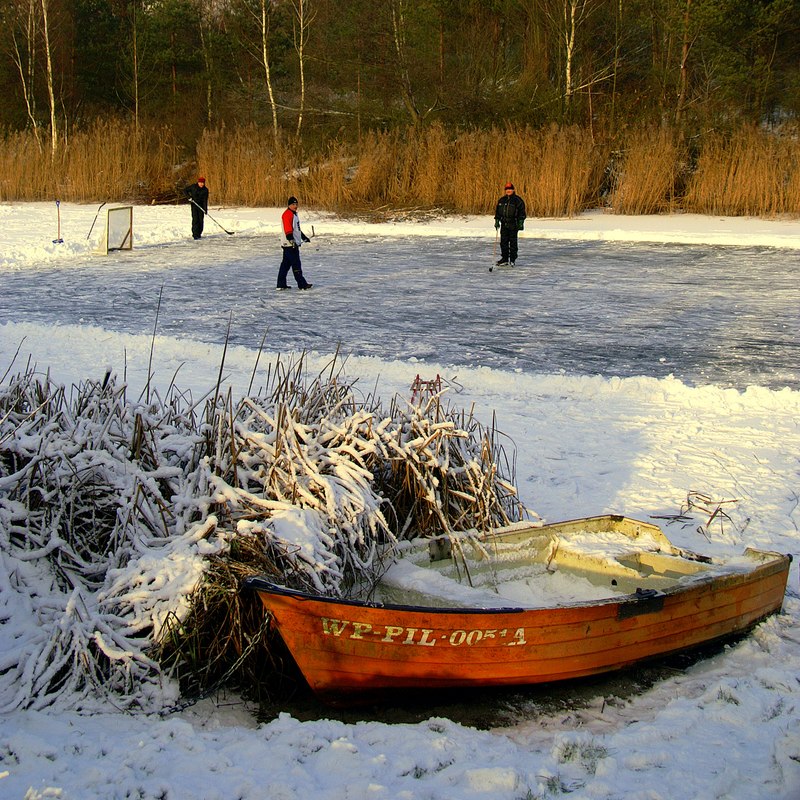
(304, 19)
(399, 39)
(50, 80)
(265, 63)
(207, 63)
(26, 65)
(684, 80)
(569, 48)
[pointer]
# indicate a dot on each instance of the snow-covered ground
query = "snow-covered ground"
(606, 432)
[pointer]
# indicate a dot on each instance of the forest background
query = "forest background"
(640, 106)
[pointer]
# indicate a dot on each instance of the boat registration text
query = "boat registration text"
(424, 637)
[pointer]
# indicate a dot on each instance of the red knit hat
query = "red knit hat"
(509, 185)
(201, 179)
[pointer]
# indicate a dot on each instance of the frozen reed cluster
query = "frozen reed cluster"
(127, 526)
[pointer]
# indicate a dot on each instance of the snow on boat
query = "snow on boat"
(526, 604)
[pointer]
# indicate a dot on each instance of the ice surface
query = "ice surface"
(705, 314)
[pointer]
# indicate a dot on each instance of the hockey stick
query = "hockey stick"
(230, 233)
(494, 251)
(58, 209)
(95, 220)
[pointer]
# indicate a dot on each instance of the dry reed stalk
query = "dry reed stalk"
(748, 173)
(106, 161)
(646, 178)
(438, 470)
(301, 450)
(792, 188)
(326, 183)
(24, 167)
(225, 637)
(484, 161)
(570, 172)
(475, 183)
(112, 160)
(444, 472)
(375, 181)
(246, 167)
(557, 170)
(509, 156)
(430, 183)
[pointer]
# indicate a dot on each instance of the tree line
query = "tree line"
(317, 70)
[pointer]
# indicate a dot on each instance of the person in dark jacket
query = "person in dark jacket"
(198, 197)
(509, 217)
(291, 240)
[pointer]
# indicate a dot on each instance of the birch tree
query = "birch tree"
(566, 18)
(303, 17)
(617, 45)
(261, 13)
(50, 80)
(397, 14)
(686, 44)
(23, 24)
(211, 17)
(130, 65)
(265, 20)
(206, 46)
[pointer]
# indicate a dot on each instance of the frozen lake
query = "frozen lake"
(705, 314)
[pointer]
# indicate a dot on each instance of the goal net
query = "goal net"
(119, 228)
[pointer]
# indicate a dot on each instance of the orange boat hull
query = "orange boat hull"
(343, 647)
(347, 647)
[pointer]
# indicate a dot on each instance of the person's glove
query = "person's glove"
(521, 225)
(496, 224)
(290, 239)
(304, 237)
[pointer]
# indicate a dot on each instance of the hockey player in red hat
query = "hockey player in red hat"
(509, 218)
(198, 199)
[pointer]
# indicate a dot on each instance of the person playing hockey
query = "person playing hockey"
(293, 237)
(509, 217)
(198, 200)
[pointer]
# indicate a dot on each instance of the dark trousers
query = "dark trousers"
(291, 260)
(197, 222)
(508, 243)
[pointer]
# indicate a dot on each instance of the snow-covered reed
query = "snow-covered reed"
(127, 526)
(88, 487)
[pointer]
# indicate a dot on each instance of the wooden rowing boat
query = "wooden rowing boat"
(527, 604)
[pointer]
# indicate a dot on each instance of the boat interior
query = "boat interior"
(534, 566)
